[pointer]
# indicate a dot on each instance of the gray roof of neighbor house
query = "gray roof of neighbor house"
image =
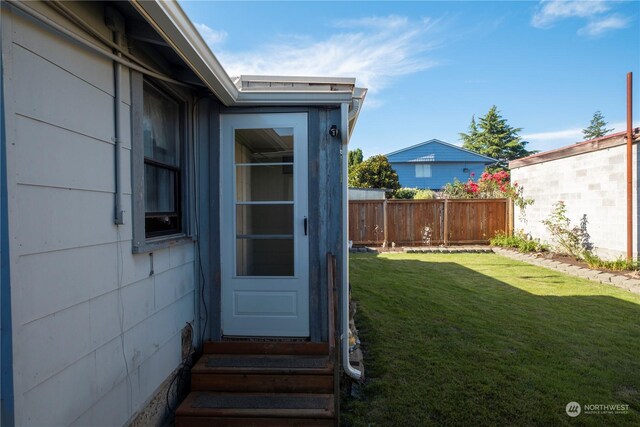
(422, 157)
(171, 22)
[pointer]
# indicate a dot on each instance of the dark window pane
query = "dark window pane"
(161, 130)
(264, 219)
(159, 225)
(268, 257)
(264, 183)
(160, 189)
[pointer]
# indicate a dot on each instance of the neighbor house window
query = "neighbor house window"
(162, 163)
(423, 171)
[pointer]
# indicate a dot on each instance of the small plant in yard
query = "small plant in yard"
(426, 235)
(519, 241)
(569, 240)
(620, 264)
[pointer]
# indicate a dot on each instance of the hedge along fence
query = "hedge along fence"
(428, 222)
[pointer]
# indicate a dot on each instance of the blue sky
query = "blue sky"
(430, 66)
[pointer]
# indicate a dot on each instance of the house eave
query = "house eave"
(175, 27)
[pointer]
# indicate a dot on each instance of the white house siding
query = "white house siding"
(94, 332)
(592, 184)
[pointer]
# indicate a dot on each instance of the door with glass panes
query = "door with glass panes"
(264, 242)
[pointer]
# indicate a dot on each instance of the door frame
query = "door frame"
(227, 175)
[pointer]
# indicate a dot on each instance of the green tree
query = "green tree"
(597, 128)
(493, 137)
(355, 158)
(375, 172)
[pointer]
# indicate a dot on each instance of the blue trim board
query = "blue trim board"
(6, 344)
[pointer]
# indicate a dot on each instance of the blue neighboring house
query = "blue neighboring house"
(434, 163)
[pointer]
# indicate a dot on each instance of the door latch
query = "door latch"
(305, 225)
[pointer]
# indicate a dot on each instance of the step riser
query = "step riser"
(263, 383)
(290, 348)
(250, 422)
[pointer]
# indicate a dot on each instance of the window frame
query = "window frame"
(142, 243)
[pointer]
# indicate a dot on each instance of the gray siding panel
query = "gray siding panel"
(96, 332)
(441, 174)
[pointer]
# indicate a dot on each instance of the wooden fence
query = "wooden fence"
(428, 222)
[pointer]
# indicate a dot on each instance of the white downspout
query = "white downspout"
(346, 365)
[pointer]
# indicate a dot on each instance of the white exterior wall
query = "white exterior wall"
(94, 333)
(592, 183)
(366, 194)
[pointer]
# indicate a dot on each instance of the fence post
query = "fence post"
(510, 215)
(446, 222)
(384, 223)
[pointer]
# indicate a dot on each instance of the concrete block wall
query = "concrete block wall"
(96, 329)
(591, 184)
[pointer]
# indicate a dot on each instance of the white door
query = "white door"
(263, 214)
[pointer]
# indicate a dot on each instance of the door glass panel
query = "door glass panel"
(264, 202)
(264, 219)
(261, 183)
(264, 257)
(264, 145)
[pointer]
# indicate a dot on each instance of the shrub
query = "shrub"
(519, 241)
(405, 193)
(490, 186)
(424, 195)
(569, 240)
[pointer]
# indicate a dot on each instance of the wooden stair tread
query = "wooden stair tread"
(263, 383)
(270, 347)
(271, 405)
(283, 364)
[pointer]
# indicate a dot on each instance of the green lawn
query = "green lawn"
(478, 339)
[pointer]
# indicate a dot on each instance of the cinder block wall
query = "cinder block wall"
(591, 184)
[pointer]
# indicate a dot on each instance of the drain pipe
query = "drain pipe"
(629, 166)
(346, 365)
(115, 22)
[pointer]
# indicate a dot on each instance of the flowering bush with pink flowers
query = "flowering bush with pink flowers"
(489, 186)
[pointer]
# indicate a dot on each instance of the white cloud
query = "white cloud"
(550, 140)
(549, 12)
(600, 26)
(211, 37)
(571, 135)
(375, 50)
(595, 13)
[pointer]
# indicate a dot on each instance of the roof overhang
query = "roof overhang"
(175, 27)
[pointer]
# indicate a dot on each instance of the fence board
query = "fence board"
(468, 221)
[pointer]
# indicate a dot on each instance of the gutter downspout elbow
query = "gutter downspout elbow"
(344, 338)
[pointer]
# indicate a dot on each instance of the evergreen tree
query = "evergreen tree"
(355, 158)
(597, 128)
(494, 138)
(375, 172)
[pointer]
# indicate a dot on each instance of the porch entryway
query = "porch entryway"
(264, 225)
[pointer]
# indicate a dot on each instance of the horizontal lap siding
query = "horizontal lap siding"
(441, 174)
(82, 302)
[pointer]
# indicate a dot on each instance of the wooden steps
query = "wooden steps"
(261, 384)
(267, 383)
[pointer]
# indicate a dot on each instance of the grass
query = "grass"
(478, 339)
